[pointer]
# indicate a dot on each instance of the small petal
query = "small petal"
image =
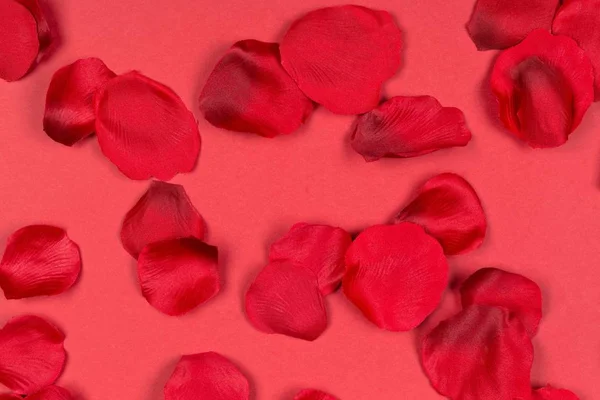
(249, 91)
(449, 209)
(313, 394)
(341, 56)
(285, 299)
(19, 42)
(320, 248)
(51, 393)
(178, 275)
(395, 274)
(39, 260)
(207, 376)
(144, 128)
(550, 393)
(409, 127)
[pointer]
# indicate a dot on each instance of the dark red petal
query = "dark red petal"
(409, 127)
(449, 209)
(341, 56)
(43, 28)
(249, 91)
(313, 394)
(480, 354)
(32, 354)
(51, 393)
(501, 24)
(544, 86)
(178, 275)
(39, 260)
(395, 274)
(19, 43)
(550, 393)
(8, 396)
(144, 128)
(285, 298)
(320, 248)
(164, 212)
(207, 376)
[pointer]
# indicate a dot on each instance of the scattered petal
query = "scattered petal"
(45, 36)
(51, 393)
(313, 394)
(19, 42)
(550, 393)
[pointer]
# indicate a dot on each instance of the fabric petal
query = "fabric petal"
(69, 115)
(550, 393)
(395, 274)
(44, 32)
(249, 91)
(320, 248)
(409, 127)
(313, 394)
(285, 299)
(8, 396)
(32, 354)
(39, 260)
(164, 212)
(544, 86)
(51, 393)
(449, 209)
(480, 354)
(178, 275)
(207, 376)
(19, 43)
(144, 128)
(341, 56)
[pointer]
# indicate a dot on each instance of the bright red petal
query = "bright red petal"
(409, 127)
(249, 91)
(395, 274)
(178, 275)
(32, 354)
(164, 212)
(39, 260)
(8, 396)
(499, 24)
(207, 376)
(19, 43)
(43, 28)
(480, 354)
(313, 394)
(550, 393)
(285, 298)
(144, 128)
(320, 248)
(544, 86)
(341, 56)
(449, 209)
(51, 393)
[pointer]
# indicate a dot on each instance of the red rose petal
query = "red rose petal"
(550, 393)
(8, 396)
(178, 275)
(498, 24)
(395, 274)
(448, 208)
(544, 86)
(39, 260)
(19, 42)
(43, 28)
(164, 212)
(51, 393)
(249, 91)
(285, 298)
(480, 354)
(144, 128)
(207, 376)
(341, 56)
(313, 394)
(32, 354)
(70, 115)
(320, 248)
(409, 127)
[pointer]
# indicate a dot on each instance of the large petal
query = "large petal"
(544, 86)
(178, 275)
(249, 91)
(341, 56)
(144, 128)
(395, 274)
(39, 260)
(551, 393)
(409, 127)
(313, 394)
(19, 43)
(51, 393)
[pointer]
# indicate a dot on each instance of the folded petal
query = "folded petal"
(409, 127)
(395, 274)
(285, 298)
(449, 209)
(144, 128)
(313, 394)
(178, 275)
(19, 42)
(207, 376)
(51, 393)
(164, 212)
(544, 86)
(249, 91)
(39, 260)
(480, 354)
(320, 248)
(550, 393)
(32, 354)
(45, 35)
(341, 56)
(70, 115)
